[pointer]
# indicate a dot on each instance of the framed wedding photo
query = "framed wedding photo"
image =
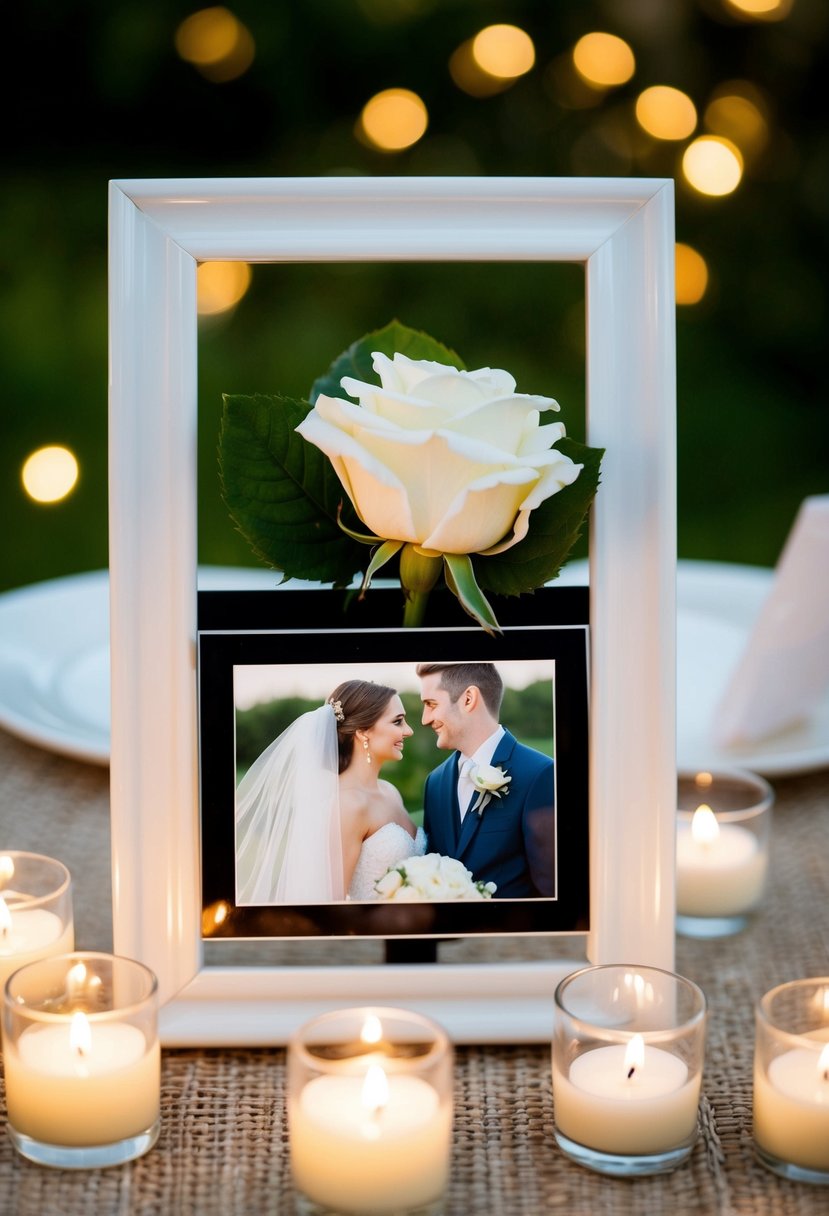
(621, 232)
(254, 682)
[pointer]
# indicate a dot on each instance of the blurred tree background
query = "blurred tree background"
(113, 89)
(528, 713)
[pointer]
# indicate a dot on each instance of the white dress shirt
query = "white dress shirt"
(483, 755)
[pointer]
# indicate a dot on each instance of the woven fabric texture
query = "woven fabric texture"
(223, 1147)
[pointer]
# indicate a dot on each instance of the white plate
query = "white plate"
(54, 657)
(54, 662)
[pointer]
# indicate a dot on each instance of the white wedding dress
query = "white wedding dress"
(288, 838)
(382, 850)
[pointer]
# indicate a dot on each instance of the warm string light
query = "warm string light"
(759, 10)
(216, 43)
(504, 51)
(712, 165)
(492, 61)
(50, 473)
(691, 271)
(220, 286)
(665, 112)
(393, 120)
(603, 60)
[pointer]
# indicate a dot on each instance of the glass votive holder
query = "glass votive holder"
(370, 1104)
(35, 910)
(791, 1080)
(628, 1053)
(82, 1060)
(722, 850)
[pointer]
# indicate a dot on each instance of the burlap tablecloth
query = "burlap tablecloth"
(223, 1147)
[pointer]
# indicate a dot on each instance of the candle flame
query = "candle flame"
(823, 1063)
(6, 870)
(704, 826)
(372, 1031)
(375, 1093)
(5, 917)
(634, 1055)
(80, 1036)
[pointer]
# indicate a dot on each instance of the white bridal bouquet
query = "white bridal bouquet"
(433, 877)
(403, 456)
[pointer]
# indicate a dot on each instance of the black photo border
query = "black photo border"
(292, 626)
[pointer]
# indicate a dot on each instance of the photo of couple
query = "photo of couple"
(316, 821)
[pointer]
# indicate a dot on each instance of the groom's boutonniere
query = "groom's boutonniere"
(488, 780)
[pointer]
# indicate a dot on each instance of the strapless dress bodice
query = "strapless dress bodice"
(383, 849)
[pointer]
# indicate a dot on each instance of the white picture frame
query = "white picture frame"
(622, 230)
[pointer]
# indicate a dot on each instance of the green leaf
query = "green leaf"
(392, 338)
(460, 579)
(283, 493)
(384, 553)
(554, 528)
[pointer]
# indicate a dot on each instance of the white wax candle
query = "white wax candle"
(30, 934)
(59, 1096)
(599, 1106)
(349, 1157)
(722, 876)
(791, 1109)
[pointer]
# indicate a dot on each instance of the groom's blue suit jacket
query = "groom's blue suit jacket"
(512, 841)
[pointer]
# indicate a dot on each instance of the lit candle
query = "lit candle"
(82, 1083)
(353, 1154)
(33, 925)
(791, 1079)
(370, 1132)
(720, 868)
(626, 1099)
(82, 1060)
(627, 1068)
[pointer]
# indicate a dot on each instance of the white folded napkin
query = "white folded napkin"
(784, 669)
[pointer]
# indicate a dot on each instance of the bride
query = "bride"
(314, 821)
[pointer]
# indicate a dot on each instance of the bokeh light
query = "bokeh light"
(712, 165)
(504, 51)
(759, 10)
(691, 274)
(665, 112)
(603, 60)
(468, 74)
(215, 42)
(737, 111)
(220, 286)
(393, 120)
(50, 473)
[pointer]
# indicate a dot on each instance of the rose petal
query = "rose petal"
(479, 517)
(553, 480)
(378, 495)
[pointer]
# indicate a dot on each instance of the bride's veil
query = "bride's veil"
(288, 838)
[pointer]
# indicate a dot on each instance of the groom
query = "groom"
(509, 839)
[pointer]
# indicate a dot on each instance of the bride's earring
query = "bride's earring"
(368, 753)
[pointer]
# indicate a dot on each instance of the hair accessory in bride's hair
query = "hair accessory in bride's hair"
(337, 707)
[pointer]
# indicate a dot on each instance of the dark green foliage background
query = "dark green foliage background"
(526, 713)
(104, 96)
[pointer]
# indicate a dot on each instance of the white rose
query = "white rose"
(489, 778)
(388, 884)
(451, 461)
(407, 895)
